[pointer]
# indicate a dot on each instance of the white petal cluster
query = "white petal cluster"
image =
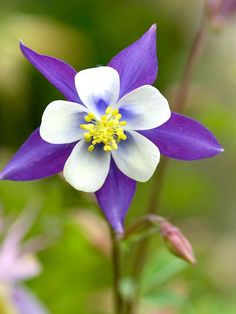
(88, 165)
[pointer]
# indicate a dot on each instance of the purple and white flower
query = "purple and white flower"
(110, 131)
(105, 126)
(17, 264)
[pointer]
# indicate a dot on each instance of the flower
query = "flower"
(18, 263)
(177, 243)
(109, 132)
(105, 127)
(220, 10)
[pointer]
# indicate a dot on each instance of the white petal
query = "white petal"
(61, 122)
(86, 171)
(137, 157)
(98, 88)
(144, 108)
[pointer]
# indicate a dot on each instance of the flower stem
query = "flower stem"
(180, 101)
(193, 57)
(116, 261)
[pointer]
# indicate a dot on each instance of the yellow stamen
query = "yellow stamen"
(87, 119)
(87, 136)
(91, 148)
(107, 148)
(108, 130)
(115, 112)
(108, 110)
(91, 115)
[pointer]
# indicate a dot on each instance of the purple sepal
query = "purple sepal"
(26, 303)
(137, 64)
(184, 138)
(58, 73)
(36, 159)
(115, 197)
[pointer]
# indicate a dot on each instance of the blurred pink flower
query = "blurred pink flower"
(177, 242)
(17, 263)
(220, 11)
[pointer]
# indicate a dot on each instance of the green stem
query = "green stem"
(116, 262)
(158, 180)
(193, 57)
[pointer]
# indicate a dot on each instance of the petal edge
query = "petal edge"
(56, 71)
(184, 138)
(137, 64)
(36, 159)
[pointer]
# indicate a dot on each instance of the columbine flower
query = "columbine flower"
(109, 132)
(18, 263)
(105, 127)
(220, 10)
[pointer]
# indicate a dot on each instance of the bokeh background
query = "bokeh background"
(199, 196)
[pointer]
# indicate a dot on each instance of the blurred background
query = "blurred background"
(199, 197)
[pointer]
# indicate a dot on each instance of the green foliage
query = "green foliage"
(159, 270)
(199, 196)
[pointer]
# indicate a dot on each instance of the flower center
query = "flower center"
(108, 130)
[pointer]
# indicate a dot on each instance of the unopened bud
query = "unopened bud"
(177, 242)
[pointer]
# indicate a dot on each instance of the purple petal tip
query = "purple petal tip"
(22, 45)
(183, 138)
(137, 64)
(153, 27)
(119, 230)
(56, 71)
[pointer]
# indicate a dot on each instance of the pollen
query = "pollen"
(108, 131)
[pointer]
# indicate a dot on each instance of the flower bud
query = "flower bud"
(177, 242)
(219, 11)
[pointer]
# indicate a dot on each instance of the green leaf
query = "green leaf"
(163, 298)
(159, 269)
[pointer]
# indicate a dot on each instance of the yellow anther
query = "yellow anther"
(87, 136)
(91, 148)
(91, 115)
(115, 112)
(108, 130)
(87, 119)
(108, 110)
(121, 135)
(83, 126)
(107, 148)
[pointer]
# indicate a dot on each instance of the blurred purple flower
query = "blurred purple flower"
(132, 70)
(18, 263)
(221, 10)
(177, 243)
